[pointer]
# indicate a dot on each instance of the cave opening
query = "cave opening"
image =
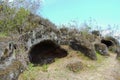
(45, 52)
(108, 43)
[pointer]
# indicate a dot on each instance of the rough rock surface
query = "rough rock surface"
(10, 67)
(85, 47)
(37, 35)
(101, 49)
(11, 71)
(62, 36)
(112, 44)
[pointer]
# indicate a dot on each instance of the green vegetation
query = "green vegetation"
(44, 68)
(32, 71)
(12, 19)
(118, 58)
(100, 57)
(16, 20)
(3, 35)
(95, 64)
(20, 19)
(82, 56)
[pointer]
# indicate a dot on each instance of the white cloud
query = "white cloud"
(105, 32)
(11, 0)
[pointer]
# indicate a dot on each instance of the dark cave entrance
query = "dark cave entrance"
(45, 52)
(108, 43)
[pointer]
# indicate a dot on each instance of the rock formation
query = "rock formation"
(10, 67)
(83, 45)
(101, 49)
(42, 45)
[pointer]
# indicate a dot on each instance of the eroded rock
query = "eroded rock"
(12, 71)
(85, 47)
(101, 49)
(10, 68)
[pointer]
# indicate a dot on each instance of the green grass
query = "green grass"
(82, 56)
(91, 63)
(3, 35)
(94, 64)
(44, 68)
(32, 72)
(100, 58)
(118, 58)
(88, 63)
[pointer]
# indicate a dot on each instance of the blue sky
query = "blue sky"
(62, 11)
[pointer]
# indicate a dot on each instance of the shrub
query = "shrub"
(75, 67)
(12, 19)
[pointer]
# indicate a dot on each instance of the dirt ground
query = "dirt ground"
(105, 68)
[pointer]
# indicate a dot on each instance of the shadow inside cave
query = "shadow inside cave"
(45, 52)
(108, 43)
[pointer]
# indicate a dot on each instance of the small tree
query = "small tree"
(12, 19)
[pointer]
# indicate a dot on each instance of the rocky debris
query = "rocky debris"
(6, 51)
(45, 52)
(12, 71)
(85, 47)
(101, 49)
(10, 68)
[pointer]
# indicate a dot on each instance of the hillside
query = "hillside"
(81, 68)
(33, 48)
